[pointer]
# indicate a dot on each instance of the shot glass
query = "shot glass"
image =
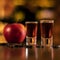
(31, 36)
(46, 27)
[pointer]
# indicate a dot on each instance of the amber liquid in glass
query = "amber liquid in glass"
(31, 33)
(46, 27)
(46, 30)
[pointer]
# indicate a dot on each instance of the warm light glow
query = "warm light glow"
(45, 14)
(2, 25)
(19, 16)
(19, 2)
(45, 3)
(2, 39)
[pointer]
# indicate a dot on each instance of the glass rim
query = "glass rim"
(46, 21)
(31, 22)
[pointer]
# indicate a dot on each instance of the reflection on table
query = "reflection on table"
(33, 53)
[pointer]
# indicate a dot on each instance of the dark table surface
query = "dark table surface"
(31, 53)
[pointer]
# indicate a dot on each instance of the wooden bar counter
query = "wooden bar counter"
(32, 53)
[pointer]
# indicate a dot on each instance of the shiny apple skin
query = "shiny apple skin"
(14, 33)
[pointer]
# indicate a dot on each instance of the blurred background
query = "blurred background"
(20, 11)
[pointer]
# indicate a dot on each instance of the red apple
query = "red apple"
(14, 33)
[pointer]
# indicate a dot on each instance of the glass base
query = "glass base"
(47, 42)
(30, 41)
